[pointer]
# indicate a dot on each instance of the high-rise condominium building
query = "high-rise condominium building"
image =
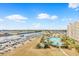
(73, 30)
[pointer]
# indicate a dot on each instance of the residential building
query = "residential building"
(73, 30)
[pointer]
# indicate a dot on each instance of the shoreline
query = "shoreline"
(28, 48)
(27, 43)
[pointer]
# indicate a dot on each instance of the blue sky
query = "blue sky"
(38, 15)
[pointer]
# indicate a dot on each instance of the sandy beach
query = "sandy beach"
(29, 49)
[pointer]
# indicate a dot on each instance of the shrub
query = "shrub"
(40, 45)
(44, 44)
(77, 48)
(68, 42)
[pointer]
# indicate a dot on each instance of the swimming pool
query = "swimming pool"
(56, 41)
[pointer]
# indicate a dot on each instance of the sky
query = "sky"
(37, 15)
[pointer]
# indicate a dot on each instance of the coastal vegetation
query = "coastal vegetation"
(77, 48)
(44, 43)
(43, 46)
(70, 43)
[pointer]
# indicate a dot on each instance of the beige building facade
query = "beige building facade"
(73, 30)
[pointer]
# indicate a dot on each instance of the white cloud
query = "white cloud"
(1, 19)
(36, 25)
(43, 16)
(47, 16)
(73, 5)
(70, 19)
(39, 26)
(54, 17)
(2, 26)
(16, 17)
(77, 9)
